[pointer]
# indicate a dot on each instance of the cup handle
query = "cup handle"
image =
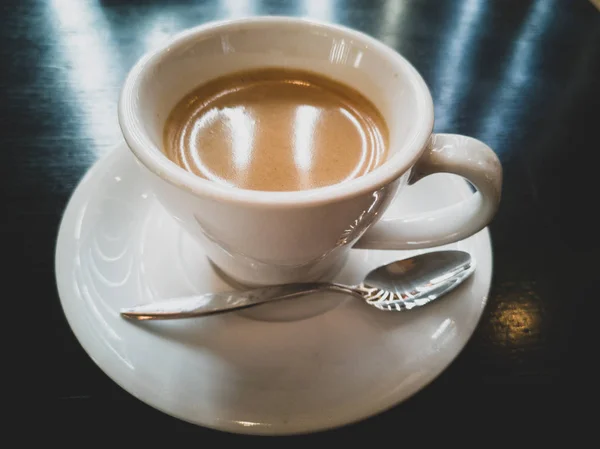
(446, 153)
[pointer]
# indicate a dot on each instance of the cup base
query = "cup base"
(287, 310)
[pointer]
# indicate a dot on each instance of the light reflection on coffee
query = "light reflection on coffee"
(276, 130)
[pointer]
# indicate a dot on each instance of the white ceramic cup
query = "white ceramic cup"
(259, 238)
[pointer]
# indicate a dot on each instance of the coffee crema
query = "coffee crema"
(276, 130)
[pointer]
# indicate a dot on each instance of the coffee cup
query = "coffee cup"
(268, 237)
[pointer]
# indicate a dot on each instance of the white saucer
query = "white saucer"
(117, 247)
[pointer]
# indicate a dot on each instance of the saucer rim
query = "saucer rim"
(299, 427)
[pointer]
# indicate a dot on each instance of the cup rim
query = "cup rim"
(157, 162)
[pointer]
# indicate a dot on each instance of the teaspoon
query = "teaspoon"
(401, 285)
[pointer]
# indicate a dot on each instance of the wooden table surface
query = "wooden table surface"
(523, 76)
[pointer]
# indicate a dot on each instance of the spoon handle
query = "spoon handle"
(214, 303)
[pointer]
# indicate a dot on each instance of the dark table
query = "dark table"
(523, 76)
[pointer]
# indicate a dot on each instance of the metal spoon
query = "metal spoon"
(401, 285)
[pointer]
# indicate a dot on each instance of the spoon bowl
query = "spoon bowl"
(416, 281)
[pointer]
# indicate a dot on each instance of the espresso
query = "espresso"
(277, 130)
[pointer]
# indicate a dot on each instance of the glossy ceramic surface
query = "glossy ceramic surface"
(347, 361)
(263, 238)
